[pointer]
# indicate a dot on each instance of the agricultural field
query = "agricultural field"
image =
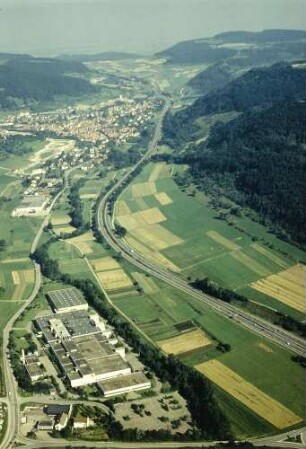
(262, 404)
(181, 231)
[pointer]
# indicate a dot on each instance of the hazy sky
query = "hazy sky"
(48, 27)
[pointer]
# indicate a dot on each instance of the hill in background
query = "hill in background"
(25, 80)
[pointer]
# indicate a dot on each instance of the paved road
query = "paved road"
(106, 227)
(12, 398)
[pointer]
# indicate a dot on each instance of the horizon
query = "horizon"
(51, 28)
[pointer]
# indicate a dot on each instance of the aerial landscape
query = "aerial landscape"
(152, 224)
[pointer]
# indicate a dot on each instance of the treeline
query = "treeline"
(20, 373)
(77, 207)
(286, 322)
(257, 88)
(24, 80)
(258, 160)
(198, 392)
(17, 145)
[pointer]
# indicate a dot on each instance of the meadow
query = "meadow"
(189, 234)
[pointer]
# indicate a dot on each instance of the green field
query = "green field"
(232, 257)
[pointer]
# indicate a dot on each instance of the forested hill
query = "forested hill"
(25, 80)
(243, 49)
(257, 87)
(259, 160)
(260, 87)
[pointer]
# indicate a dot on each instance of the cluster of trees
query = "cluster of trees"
(198, 392)
(259, 160)
(24, 79)
(76, 213)
(17, 145)
(120, 159)
(20, 373)
(207, 286)
(258, 87)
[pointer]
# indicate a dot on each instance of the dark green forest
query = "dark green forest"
(24, 80)
(258, 158)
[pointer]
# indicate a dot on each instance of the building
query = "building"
(81, 422)
(33, 366)
(67, 300)
(31, 205)
(124, 384)
(82, 346)
(62, 423)
(46, 424)
(57, 409)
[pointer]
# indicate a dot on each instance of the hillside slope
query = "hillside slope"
(24, 80)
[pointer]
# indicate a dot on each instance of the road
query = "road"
(106, 227)
(12, 398)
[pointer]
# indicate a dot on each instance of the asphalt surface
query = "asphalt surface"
(12, 398)
(106, 227)
(105, 222)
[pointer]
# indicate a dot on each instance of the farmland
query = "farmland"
(256, 400)
(192, 239)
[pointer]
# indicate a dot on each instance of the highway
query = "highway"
(106, 227)
(12, 398)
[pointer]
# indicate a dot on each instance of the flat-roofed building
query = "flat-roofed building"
(46, 424)
(124, 384)
(67, 300)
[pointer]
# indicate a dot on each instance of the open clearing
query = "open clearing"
(67, 229)
(143, 189)
(21, 279)
(156, 237)
(185, 342)
(262, 404)
(60, 219)
(82, 242)
(287, 287)
(114, 280)
(145, 282)
(104, 264)
(163, 198)
(229, 244)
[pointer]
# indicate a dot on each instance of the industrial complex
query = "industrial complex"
(85, 348)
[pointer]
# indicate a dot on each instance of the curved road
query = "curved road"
(12, 398)
(106, 227)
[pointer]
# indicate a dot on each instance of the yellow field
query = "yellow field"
(64, 229)
(145, 282)
(141, 203)
(160, 170)
(265, 347)
(20, 279)
(143, 189)
(83, 237)
(16, 277)
(159, 258)
(286, 286)
(156, 237)
(122, 208)
(269, 255)
(163, 198)
(104, 264)
(250, 263)
(60, 219)
(151, 216)
(114, 280)
(185, 342)
(88, 196)
(214, 235)
(130, 221)
(262, 404)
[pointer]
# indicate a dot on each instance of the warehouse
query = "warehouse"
(124, 384)
(67, 300)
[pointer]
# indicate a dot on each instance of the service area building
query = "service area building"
(67, 300)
